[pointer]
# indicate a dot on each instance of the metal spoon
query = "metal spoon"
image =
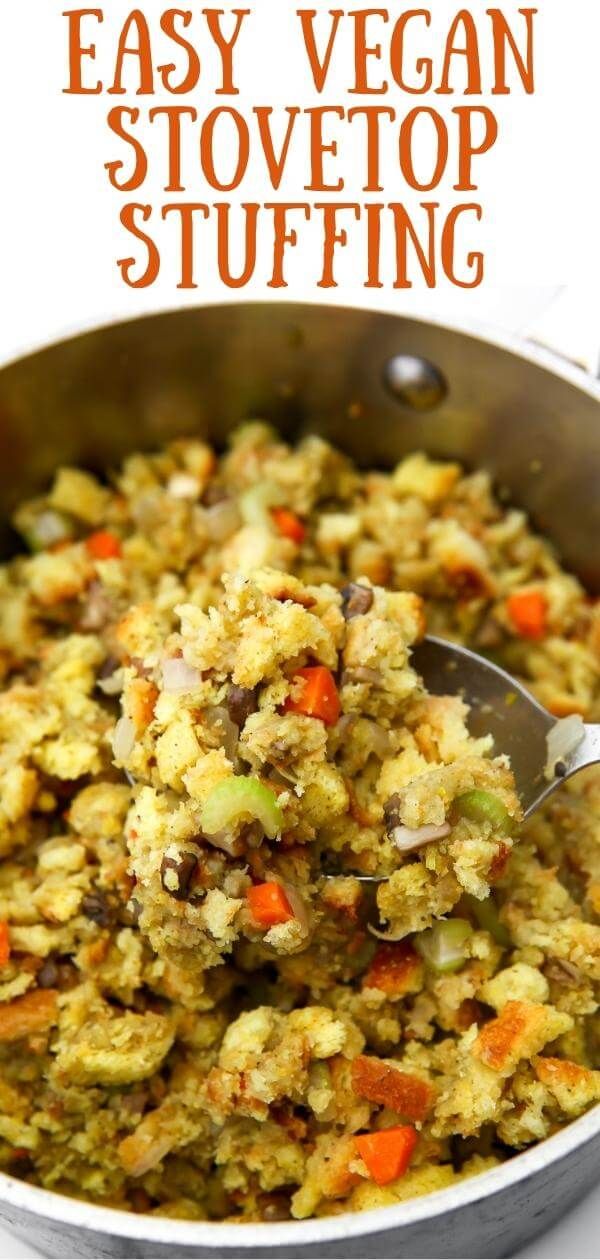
(502, 707)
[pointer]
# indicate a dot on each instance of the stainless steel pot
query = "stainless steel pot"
(358, 378)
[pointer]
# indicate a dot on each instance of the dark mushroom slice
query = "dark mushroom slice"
(391, 813)
(240, 703)
(176, 875)
(213, 494)
(130, 915)
(356, 600)
(96, 907)
(57, 973)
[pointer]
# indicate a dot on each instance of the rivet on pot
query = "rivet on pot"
(414, 382)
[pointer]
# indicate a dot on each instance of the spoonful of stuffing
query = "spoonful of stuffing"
(543, 750)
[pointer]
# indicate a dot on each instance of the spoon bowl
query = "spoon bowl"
(502, 707)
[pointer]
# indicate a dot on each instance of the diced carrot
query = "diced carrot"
(319, 697)
(409, 1095)
(528, 613)
(268, 904)
(396, 969)
(4, 944)
(387, 1154)
(289, 525)
(103, 545)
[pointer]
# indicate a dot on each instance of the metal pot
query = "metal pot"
(378, 386)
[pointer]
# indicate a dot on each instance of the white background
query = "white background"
(60, 235)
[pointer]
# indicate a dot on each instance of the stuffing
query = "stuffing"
(574, 1087)
(34, 1013)
(79, 494)
(211, 732)
(518, 1032)
(115, 1051)
(417, 475)
(521, 982)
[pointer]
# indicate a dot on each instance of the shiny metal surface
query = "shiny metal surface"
(492, 1215)
(414, 382)
(533, 420)
(528, 416)
(503, 708)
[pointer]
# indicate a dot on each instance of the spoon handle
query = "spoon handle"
(587, 752)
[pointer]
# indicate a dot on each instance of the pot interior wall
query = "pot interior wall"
(91, 399)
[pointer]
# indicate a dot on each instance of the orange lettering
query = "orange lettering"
(362, 52)
(467, 150)
(503, 36)
(283, 237)
(174, 114)
(319, 68)
(208, 147)
(186, 214)
(128, 219)
(141, 49)
(77, 51)
(192, 75)
(470, 52)
(275, 165)
(140, 170)
(424, 65)
(475, 261)
(225, 46)
(333, 237)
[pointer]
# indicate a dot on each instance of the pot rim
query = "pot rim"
(480, 330)
(83, 1215)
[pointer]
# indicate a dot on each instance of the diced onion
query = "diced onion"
(183, 486)
(113, 685)
(408, 838)
(345, 723)
(48, 528)
(217, 719)
(123, 739)
(361, 674)
(297, 905)
(565, 736)
(380, 740)
(177, 675)
(392, 937)
(229, 843)
(222, 520)
(98, 608)
(256, 501)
